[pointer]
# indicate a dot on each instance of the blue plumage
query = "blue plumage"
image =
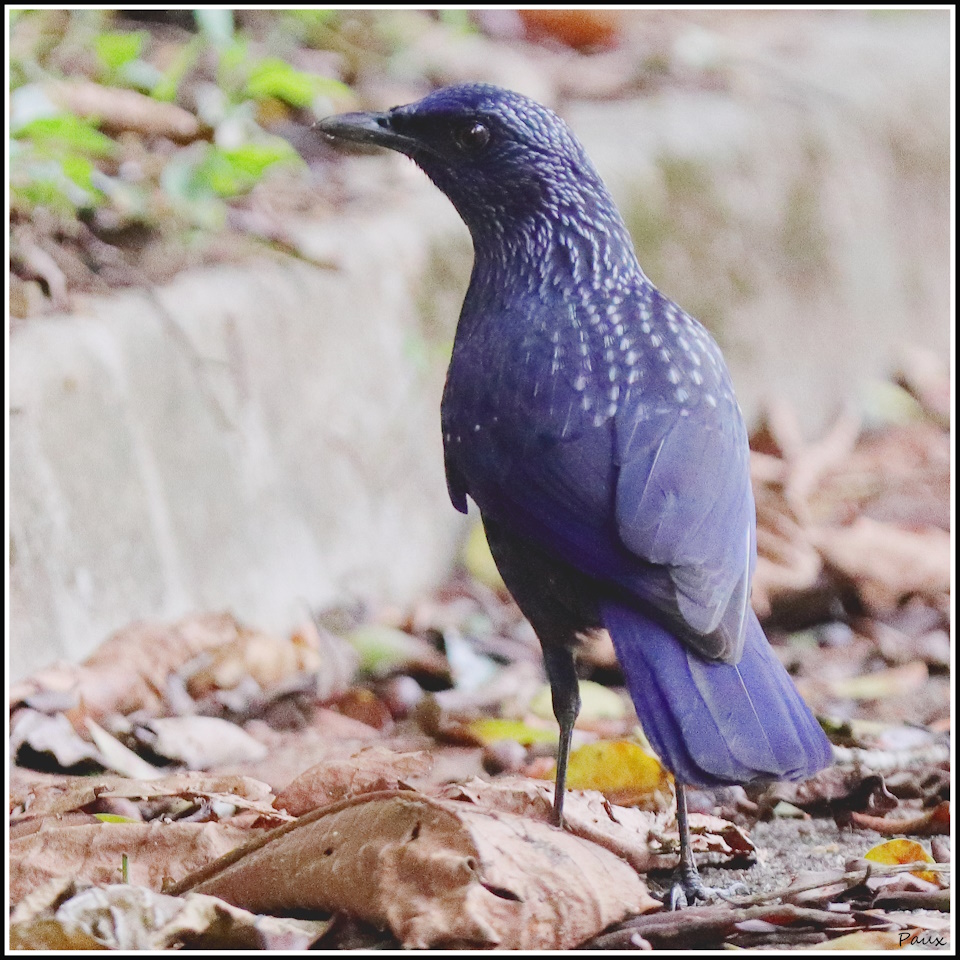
(594, 423)
(731, 723)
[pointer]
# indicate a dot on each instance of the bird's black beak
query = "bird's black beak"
(371, 129)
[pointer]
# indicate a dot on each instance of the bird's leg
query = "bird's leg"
(562, 674)
(687, 887)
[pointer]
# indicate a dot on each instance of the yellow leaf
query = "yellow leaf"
(903, 851)
(491, 730)
(114, 818)
(623, 772)
(597, 702)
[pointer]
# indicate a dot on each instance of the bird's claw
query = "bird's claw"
(687, 889)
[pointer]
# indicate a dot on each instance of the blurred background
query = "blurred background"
(228, 340)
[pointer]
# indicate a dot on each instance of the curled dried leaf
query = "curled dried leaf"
(94, 852)
(437, 873)
(126, 917)
(370, 770)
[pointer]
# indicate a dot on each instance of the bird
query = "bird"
(594, 424)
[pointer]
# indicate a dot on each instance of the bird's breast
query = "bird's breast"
(521, 432)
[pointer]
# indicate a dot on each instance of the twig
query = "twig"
(849, 879)
(697, 926)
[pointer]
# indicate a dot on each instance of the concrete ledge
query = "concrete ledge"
(255, 437)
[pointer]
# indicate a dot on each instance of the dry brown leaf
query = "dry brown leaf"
(836, 789)
(130, 669)
(712, 834)
(368, 771)
(119, 758)
(53, 734)
(125, 110)
(522, 796)
(438, 873)
(45, 795)
(887, 563)
(46, 934)
(897, 475)
(200, 743)
(930, 822)
(576, 28)
(127, 917)
(25, 785)
(815, 460)
(35, 262)
(787, 563)
(640, 837)
(624, 831)
(54, 799)
(364, 705)
(780, 433)
(269, 660)
(243, 791)
(155, 852)
(328, 736)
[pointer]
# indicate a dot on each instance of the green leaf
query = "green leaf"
(384, 649)
(67, 132)
(275, 78)
(139, 75)
(230, 172)
(79, 170)
(234, 55)
(459, 20)
(208, 171)
(118, 49)
(189, 190)
(254, 159)
(313, 18)
(44, 193)
(61, 184)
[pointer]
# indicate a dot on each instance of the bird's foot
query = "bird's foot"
(687, 889)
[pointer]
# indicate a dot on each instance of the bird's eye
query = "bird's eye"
(472, 136)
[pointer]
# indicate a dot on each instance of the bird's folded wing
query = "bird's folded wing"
(684, 502)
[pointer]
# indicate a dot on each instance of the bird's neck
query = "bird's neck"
(556, 252)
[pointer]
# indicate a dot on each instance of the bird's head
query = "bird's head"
(500, 157)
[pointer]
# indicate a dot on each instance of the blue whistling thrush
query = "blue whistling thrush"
(594, 424)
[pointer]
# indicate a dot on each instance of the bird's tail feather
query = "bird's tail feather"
(715, 723)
